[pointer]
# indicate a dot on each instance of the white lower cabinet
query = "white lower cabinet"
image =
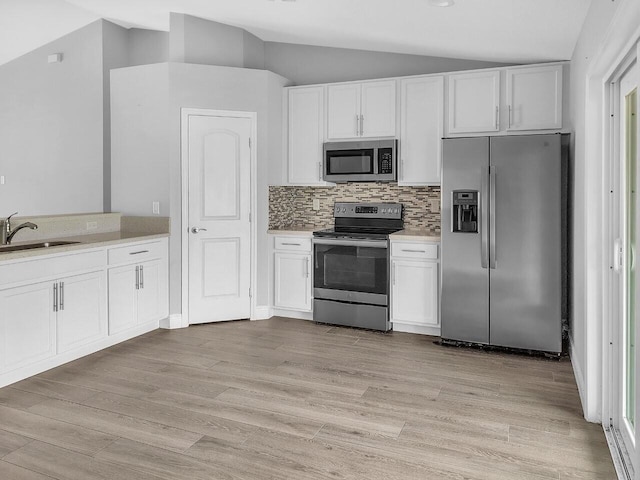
(82, 310)
(123, 297)
(54, 307)
(415, 287)
(292, 273)
(293, 281)
(27, 328)
(49, 318)
(137, 291)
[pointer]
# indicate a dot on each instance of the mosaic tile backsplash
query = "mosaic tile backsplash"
(293, 206)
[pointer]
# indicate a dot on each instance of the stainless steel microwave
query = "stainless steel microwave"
(361, 161)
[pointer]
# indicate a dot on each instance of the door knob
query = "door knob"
(196, 229)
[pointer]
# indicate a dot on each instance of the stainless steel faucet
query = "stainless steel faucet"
(7, 234)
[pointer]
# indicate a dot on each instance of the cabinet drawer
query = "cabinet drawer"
(40, 268)
(136, 253)
(298, 244)
(428, 251)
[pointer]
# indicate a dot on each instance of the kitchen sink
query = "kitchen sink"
(32, 246)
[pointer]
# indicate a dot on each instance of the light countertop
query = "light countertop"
(85, 241)
(299, 230)
(421, 234)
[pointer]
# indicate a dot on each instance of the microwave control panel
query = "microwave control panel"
(385, 160)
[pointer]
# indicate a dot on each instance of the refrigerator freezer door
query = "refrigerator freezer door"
(525, 286)
(465, 282)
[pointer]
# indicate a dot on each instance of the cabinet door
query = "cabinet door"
(293, 281)
(150, 304)
(414, 295)
(474, 100)
(421, 130)
(27, 325)
(82, 310)
(122, 298)
(306, 135)
(378, 110)
(534, 98)
(343, 111)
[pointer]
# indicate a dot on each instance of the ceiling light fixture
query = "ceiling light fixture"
(441, 3)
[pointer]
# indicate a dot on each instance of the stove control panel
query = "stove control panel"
(367, 210)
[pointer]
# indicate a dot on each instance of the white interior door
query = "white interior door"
(219, 198)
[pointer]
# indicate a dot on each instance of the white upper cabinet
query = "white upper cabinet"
(534, 97)
(378, 109)
(305, 135)
(421, 130)
(343, 111)
(474, 102)
(361, 110)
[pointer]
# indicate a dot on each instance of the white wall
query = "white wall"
(225, 88)
(115, 54)
(146, 108)
(196, 40)
(602, 39)
(51, 128)
(140, 139)
(308, 64)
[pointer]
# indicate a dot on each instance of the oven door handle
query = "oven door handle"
(350, 243)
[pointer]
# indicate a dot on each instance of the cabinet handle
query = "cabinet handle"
(412, 250)
(141, 276)
(393, 274)
(55, 297)
(497, 117)
(509, 116)
(306, 268)
(137, 278)
(138, 253)
(357, 125)
(290, 243)
(61, 295)
(361, 125)
(320, 171)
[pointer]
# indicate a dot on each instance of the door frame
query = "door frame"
(185, 113)
(614, 295)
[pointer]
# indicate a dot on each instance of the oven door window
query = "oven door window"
(344, 162)
(356, 269)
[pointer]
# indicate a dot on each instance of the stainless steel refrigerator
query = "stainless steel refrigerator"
(504, 244)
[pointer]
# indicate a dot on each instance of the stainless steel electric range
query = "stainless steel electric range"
(351, 265)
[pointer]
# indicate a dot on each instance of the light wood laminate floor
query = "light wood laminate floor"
(289, 399)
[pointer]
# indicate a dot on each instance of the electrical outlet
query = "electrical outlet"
(156, 208)
(434, 205)
(316, 204)
(1, 179)
(92, 225)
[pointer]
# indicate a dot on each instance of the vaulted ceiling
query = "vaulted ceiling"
(517, 31)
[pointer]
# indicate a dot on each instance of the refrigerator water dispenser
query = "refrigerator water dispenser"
(465, 211)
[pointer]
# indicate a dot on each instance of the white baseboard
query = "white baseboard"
(280, 312)
(419, 329)
(172, 321)
(577, 372)
(261, 312)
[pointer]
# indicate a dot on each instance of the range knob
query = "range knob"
(344, 210)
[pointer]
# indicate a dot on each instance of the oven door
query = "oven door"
(353, 271)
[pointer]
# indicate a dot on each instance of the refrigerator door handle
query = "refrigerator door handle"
(484, 220)
(492, 217)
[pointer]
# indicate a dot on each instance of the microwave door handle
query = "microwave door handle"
(375, 161)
